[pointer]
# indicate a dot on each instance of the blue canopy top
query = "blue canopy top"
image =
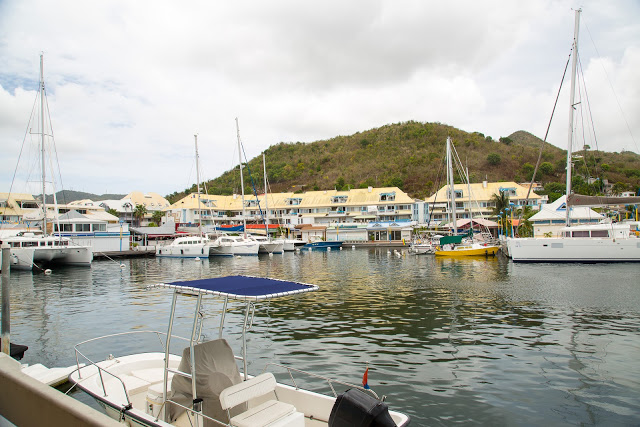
(246, 288)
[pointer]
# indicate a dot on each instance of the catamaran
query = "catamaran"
(605, 242)
(207, 384)
(30, 248)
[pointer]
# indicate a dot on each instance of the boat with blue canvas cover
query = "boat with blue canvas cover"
(207, 385)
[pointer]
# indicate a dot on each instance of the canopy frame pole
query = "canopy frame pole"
(224, 311)
(197, 412)
(244, 339)
(166, 349)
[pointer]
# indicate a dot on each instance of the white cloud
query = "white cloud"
(129, 83)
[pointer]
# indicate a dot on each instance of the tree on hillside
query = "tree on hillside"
(494, 159)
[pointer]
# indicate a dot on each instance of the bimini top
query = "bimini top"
(246, 288)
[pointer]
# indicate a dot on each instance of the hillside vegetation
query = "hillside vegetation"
(410, 156)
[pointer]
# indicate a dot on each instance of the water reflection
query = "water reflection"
(477, 340)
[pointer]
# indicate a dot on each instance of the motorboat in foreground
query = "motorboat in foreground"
(205, 385)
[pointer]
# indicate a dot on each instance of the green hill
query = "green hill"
(68, 196)
(410, 156)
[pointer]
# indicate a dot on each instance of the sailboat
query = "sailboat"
(191, 246)
(226, 245)
(29, 249)
(453, 246)
(605, 242)
(267, 244)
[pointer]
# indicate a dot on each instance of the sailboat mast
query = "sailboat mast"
(452, 196)
(42, 148)
(244, 216)
(574, 65)
(266, 203)
(198, 186)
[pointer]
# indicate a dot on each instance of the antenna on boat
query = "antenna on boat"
(244, 215)
(42, 149)
(198, 186)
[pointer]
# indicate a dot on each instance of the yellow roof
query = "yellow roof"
(152, 201)
(355, 197)
(479, 193)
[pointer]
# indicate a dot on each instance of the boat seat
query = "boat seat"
(216, 370)
(269, 413)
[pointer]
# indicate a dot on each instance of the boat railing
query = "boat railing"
(329, 381)
(101, 371)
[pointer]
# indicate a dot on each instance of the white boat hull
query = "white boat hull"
(231, 250)
(20, 258)
(139, 372)
(273, 247)
(574, 250)
(188, 251)
(290, 245)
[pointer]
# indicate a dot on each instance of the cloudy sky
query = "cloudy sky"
(130, 82)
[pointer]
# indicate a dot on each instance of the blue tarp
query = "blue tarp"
(240, 287)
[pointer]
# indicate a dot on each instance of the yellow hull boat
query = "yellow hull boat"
(475, 249)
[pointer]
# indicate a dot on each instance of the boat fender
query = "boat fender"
(47, 271)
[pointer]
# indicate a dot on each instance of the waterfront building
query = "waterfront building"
(552, 217)
(477, 200)
(126, 206)
(332, 214)
(13, 207)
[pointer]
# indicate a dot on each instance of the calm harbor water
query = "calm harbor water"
(448, 341)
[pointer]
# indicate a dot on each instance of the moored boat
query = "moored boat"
(228, 245)
(185, 247)
(581, 243)
(208, 384)
(323, 244)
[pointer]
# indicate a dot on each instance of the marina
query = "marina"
(447, 340)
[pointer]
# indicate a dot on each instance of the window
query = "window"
(581, 233)
(293, 201)
(28, 205)
(83, 227)
(387, 197)
(63, 227)
(599, 233)
(339, 199)
(99, 227)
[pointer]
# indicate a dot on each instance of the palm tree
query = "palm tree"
(525, 227)
(139, 212)
(157, 217)
(501, 204)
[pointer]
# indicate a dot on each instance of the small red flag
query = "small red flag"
(365, 379)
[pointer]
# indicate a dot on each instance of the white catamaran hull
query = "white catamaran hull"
(574, 250)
